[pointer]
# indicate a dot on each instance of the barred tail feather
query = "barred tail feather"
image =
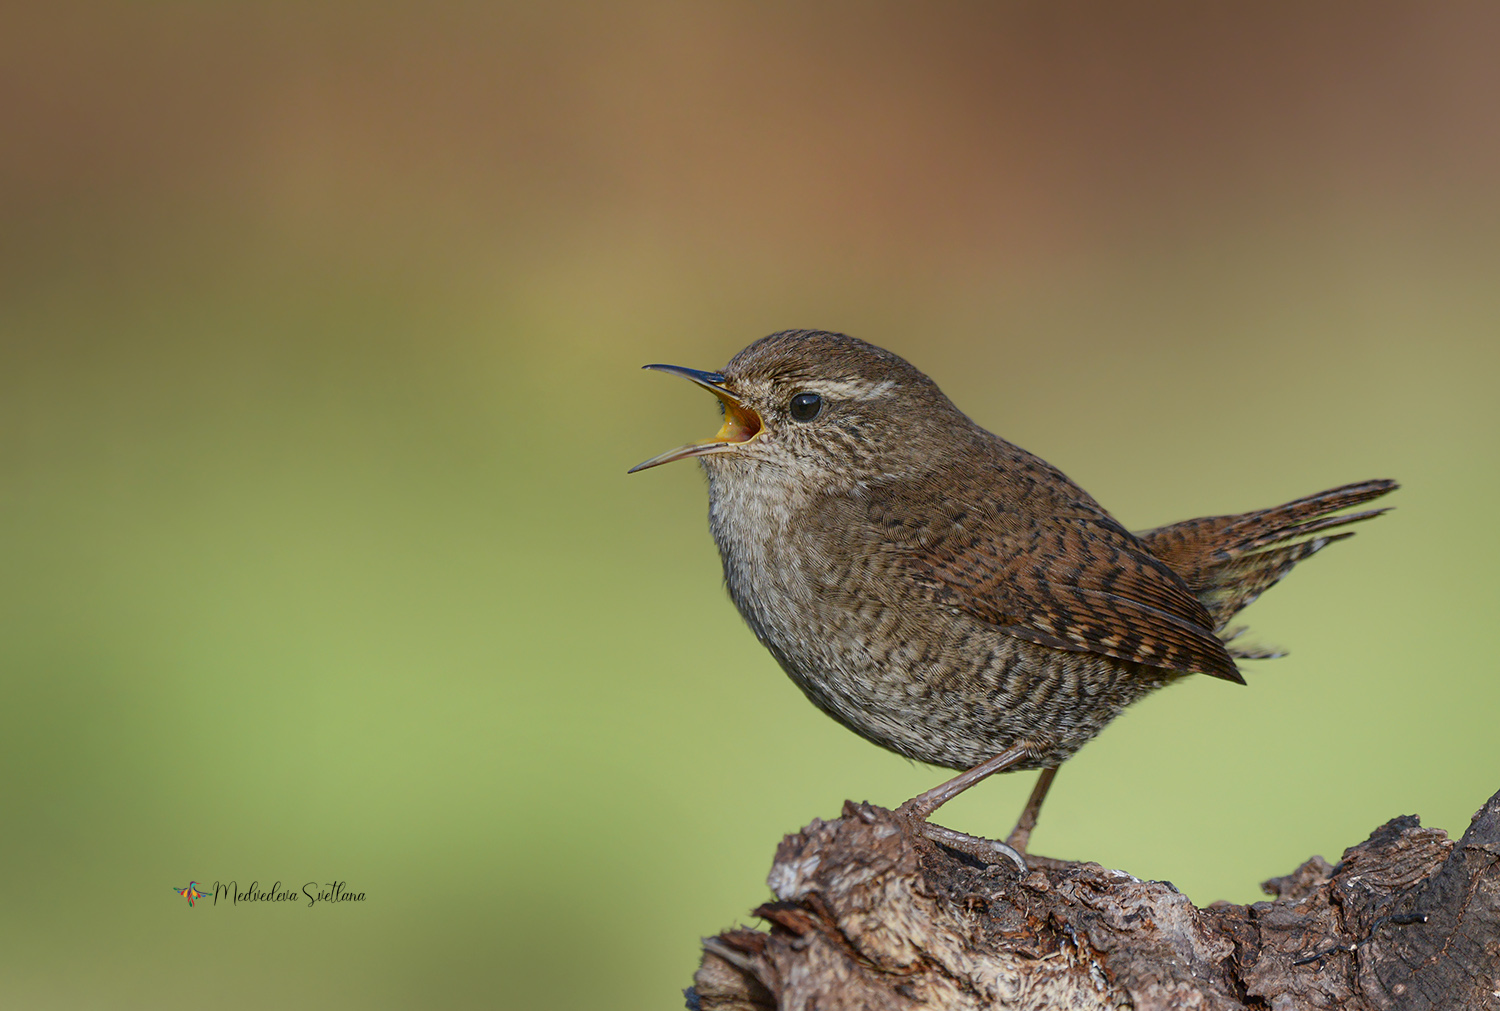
(1228, 561)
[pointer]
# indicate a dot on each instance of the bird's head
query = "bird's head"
(821, 408)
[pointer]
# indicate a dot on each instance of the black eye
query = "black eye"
(805, 406)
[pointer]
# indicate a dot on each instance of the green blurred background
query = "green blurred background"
(321, 326)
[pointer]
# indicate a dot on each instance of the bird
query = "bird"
(191, 892)
(949, 596)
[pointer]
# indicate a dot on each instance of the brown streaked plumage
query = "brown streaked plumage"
(948, 595)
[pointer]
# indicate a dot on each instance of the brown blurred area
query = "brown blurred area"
(854, 136)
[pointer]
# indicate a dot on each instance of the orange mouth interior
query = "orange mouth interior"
(741, 424)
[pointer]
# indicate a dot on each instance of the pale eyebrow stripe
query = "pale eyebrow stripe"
(855, 389)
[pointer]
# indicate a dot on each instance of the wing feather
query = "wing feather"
(1026, 550)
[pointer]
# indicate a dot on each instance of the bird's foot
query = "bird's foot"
(984, 850)
(920, 808)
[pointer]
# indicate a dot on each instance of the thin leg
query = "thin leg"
(920, 807)
(1021, 834)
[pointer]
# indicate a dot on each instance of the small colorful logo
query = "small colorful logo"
(190, 893)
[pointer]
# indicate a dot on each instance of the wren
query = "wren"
(948, 595)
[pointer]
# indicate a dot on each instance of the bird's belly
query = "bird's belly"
(924, 681)
(956, 698)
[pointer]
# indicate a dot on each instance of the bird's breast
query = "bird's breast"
(795, 582)
(753, 524)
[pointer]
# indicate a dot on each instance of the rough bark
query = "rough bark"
(870, 915)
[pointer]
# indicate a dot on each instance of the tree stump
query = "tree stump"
(870, 915)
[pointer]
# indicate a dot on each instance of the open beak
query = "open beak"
(741, 423)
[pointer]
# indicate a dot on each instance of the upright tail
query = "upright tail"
(1228, 561)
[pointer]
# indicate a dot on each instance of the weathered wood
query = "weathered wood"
(871, 915)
